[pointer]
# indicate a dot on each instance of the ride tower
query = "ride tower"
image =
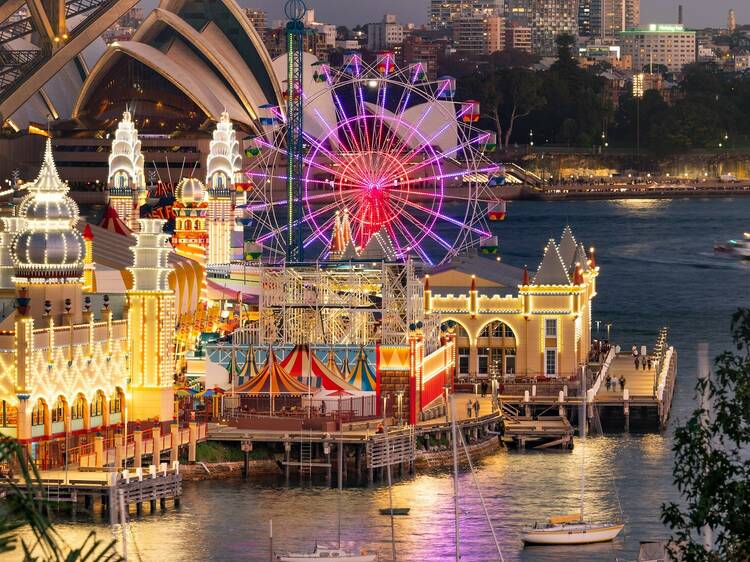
(295, 32)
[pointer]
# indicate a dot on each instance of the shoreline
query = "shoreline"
(425, 460)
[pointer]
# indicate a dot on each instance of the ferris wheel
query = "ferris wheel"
(388, 156)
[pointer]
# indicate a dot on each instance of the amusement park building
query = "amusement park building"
(75, 362)
(506, 322)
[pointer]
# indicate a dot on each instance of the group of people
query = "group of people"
(642, 360)
(472, 406)
(599, 350)
(612, 383)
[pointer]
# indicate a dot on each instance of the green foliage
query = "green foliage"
(211, 451)
(712, 466)
(22, 507)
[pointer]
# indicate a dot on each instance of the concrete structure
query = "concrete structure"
(384, 34)
(504, 322)
(670, 45)
(41, 40)
(417, 49)
(618, 16)
(189, 70)
(589, 17)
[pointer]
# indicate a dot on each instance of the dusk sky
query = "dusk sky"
(698, 13)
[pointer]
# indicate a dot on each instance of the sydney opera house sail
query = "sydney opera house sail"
(190, 61)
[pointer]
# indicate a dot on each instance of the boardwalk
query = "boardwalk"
(639, 383)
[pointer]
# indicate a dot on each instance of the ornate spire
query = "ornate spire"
(224, 161)
(49, 248)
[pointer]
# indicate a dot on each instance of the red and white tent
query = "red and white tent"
(111, 221)
(303, 364)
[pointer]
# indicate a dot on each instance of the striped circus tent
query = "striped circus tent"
(303, 364)
(345, 370)
(233, 368)
(362, 375)
(273, 379)
(332, 365)
(250, 369)
(111, 221)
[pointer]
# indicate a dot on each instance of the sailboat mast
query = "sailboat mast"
(454, 440)
(583, 440)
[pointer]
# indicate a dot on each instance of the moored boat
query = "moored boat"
(571, 529)
(321, 552)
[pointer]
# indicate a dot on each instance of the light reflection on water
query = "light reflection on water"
(657, 268)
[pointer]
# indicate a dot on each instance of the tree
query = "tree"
(711, 466)
(512, 58)
(522, 94)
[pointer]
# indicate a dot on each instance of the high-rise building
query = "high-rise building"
(518, 37)
(495, 34)
(731, 21)
(472, 33)
(672, 46)
(258, 19)
(419, 49)
(384, 34)
(548, 19)
(444, 12)
(619, 15)
(589, 17)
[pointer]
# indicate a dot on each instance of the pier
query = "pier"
(136, 487)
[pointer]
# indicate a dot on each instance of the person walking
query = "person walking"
(622, 382)
(608, 382)
(636, 362)
(643, 362)
(468, 408)
(476, 408)
(649, 362)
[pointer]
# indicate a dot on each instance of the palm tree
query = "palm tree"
(22, 507)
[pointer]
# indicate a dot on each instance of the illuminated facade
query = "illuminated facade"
(191, 210)
(126, 182)
(70, 364)
(223, 172)
(506, 323)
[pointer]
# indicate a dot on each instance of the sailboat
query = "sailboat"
(573, 528)
(321, 552)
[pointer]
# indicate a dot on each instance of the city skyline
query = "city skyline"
(697, 13)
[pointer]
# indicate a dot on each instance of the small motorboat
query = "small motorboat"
(571, 529)
(395, 511)
(738, 248)
(321, 552)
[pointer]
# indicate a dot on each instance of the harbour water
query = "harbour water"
(657, 268)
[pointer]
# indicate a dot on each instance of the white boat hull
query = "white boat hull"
(572, 534)
(339, 556)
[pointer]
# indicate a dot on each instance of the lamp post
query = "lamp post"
(400, 402)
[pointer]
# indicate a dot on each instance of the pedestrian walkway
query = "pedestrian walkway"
(639, 382)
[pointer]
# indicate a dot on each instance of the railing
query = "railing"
(664, 373)
(602, 373)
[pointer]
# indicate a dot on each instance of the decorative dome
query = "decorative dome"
(49, 247)
(190, 190)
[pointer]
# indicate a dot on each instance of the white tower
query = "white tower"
(151, 323)
(126, 181)
(222, 174)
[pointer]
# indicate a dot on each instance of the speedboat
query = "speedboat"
(739, 248)
(321, 552)
(571, 529)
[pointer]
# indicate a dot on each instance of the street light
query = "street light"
(638, 95)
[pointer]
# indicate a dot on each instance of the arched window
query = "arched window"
(97, 405)
(460, 331)
(496, 329)
(8, 414)
(219, 181)
(39, 413)
(58, 410)
(122, 180)
(188, 225)
(115, 403)
(197, 224)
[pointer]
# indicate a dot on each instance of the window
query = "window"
(550, 328)
(76, 412)
(463, 360)
(37, 414)
(8, 414)
(550, 361)
(483, 355)
(58, 411)
(97, 406)
(115, 404)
